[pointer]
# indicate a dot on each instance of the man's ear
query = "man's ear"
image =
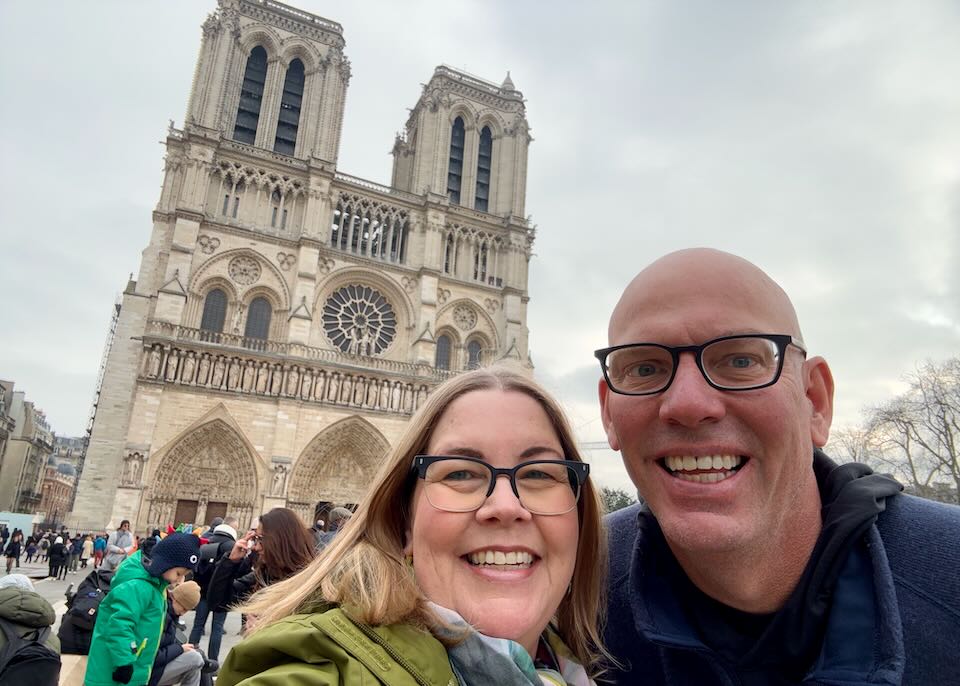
(818, 386)
(604, 392)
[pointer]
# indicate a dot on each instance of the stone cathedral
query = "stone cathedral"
(288, 318)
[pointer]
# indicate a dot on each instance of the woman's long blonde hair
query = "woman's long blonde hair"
(363, 568)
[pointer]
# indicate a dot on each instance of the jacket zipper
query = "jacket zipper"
(397, 657)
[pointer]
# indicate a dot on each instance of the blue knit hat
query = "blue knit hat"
(176, 550)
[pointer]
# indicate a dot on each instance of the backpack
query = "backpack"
(91, 592)
(26, 659)
(209, 554)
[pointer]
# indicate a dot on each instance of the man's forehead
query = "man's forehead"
(700, 292)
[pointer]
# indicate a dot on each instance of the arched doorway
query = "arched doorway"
(207, 473)
(337, 466)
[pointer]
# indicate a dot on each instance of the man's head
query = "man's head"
(760, 481)
(217, 521)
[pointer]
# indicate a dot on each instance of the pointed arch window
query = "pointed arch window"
(443, 352)
(473, 354)
(458, 135)
(289, 120)
(214, 314)
(484, 165)
(251, 96)
(257, 328)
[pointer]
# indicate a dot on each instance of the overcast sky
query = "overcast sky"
(820, 140)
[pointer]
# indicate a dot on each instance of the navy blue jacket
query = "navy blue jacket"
(895, 616)
(169, 648)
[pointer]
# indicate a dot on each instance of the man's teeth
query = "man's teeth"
(709, 468)
(496, 557)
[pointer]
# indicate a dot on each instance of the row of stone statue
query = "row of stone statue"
(220, 372)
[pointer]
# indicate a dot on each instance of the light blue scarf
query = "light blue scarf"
(479, 659)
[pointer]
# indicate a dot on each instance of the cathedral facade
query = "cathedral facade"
(288, 318)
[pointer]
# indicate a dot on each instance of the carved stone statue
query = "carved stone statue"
(319, 387)
(276, 380)
(233, 375)
(346, 389)
(189, 366)
(421, 398)
(279, 480)
(237, 319)
(359, 391)
(249, 376)
(373, 391)
(132, 469)
(306, 385)
(153, 367)
(263, 378)
(384, 395)
(333, 387)
(395, 397)
(219, 371)
(173, 357)
(203, 369)
(293, 380)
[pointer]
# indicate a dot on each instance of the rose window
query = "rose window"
(244, 270)
(359, 320)
(464, 317)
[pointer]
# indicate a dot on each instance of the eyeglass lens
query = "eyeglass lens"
(546, 487)
(730, 363)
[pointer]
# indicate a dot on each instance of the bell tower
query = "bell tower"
(271, 77)
(467, 139)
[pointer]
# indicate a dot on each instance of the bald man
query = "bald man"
(755, 558)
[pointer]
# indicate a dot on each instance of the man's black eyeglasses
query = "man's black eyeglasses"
(728, 363)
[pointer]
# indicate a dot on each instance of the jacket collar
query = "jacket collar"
(863, 642)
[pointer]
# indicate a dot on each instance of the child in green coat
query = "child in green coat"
(131, 617)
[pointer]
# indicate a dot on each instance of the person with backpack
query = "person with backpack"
(44, 546)
(29, 652)
(220, 544)
(131, 617)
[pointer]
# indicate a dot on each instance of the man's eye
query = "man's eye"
(742, 362)
(642, 369)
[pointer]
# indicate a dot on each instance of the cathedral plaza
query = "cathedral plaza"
(287, 318)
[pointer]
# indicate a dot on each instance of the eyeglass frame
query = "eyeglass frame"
(580, 469)
(782, 341)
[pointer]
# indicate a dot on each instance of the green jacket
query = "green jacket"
(28, 611)
(330, 649)
(129, 624)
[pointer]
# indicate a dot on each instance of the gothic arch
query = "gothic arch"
(338, 465)
(208, 463)
(264, 36)
(484, 328)
(270, 278)
(295, 47)
(494, 121)
(465, 111)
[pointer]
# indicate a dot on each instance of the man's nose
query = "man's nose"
(690, 400)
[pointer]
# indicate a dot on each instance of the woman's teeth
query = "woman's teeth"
(519, 559)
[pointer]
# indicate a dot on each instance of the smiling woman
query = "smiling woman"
(477, 557)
